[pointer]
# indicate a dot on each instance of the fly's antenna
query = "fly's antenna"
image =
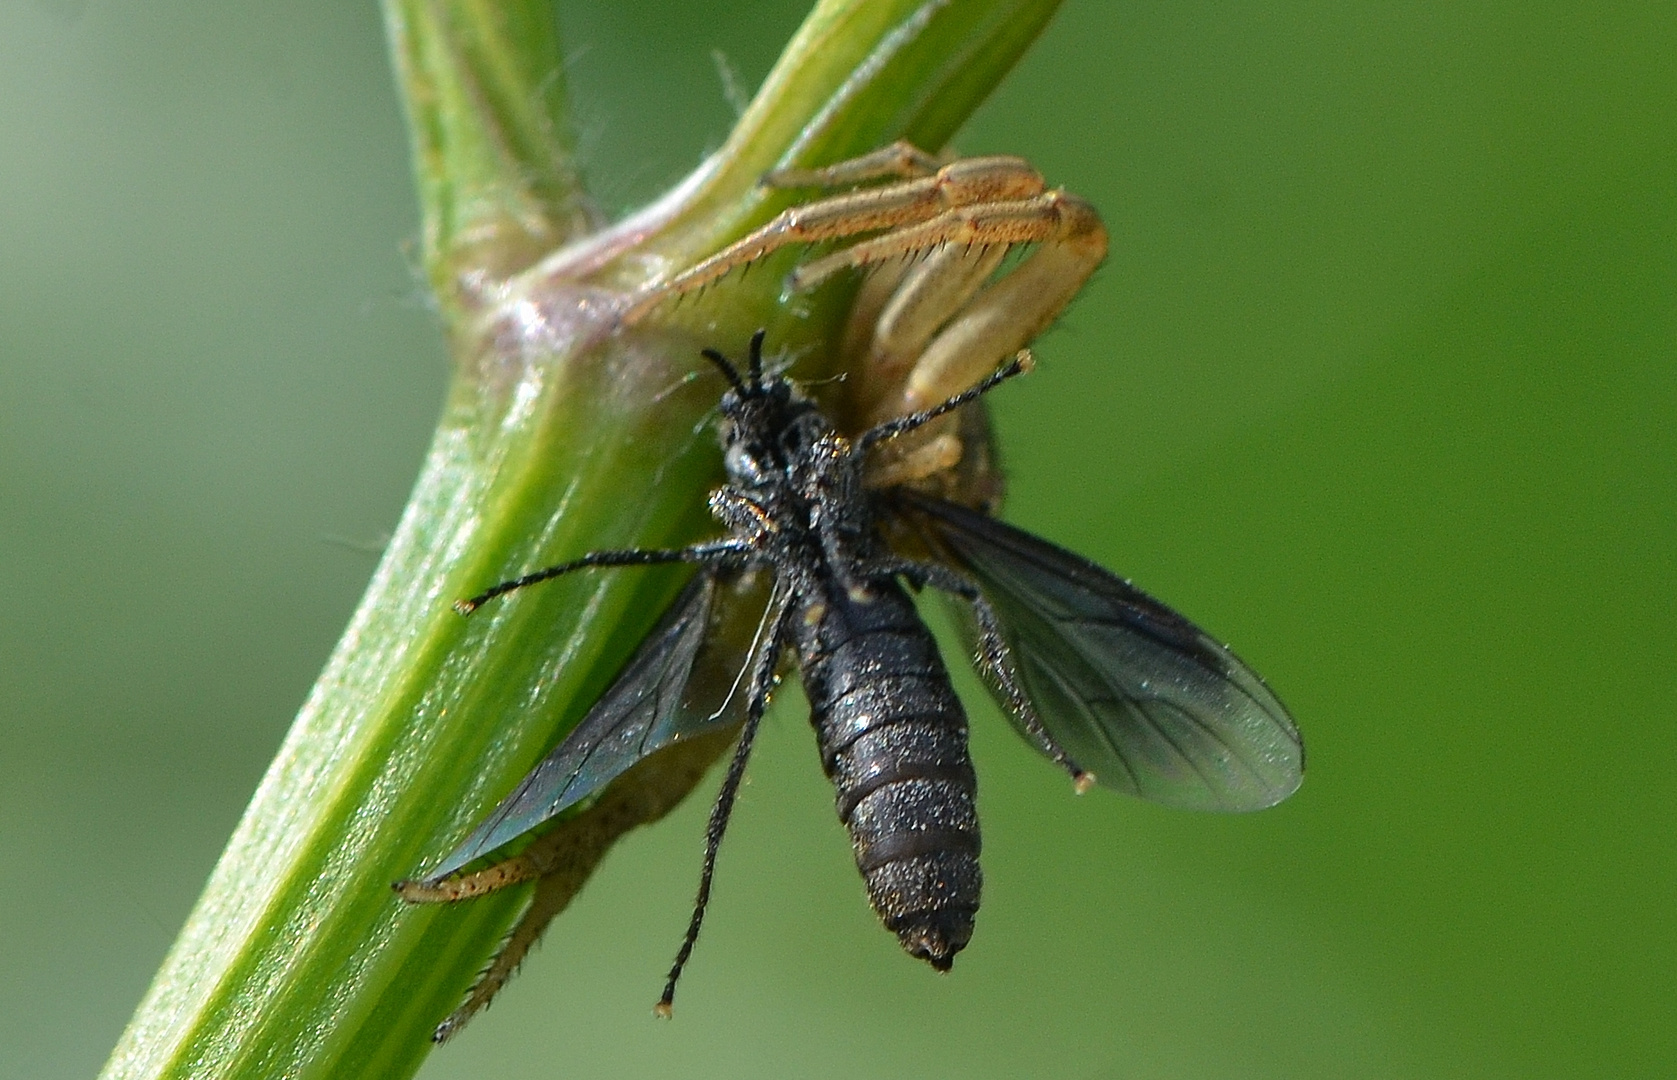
(757, 359)
(728, 370)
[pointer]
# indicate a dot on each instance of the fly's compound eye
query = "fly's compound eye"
(803, 435)
(747, 464)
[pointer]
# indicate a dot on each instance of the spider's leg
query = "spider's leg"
(901, 159)
(889, 208)
(1011, 312)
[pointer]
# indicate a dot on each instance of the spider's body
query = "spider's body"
(1085, 665)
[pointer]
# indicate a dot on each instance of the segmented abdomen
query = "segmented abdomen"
(893, 740)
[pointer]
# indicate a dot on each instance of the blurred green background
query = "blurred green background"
(1379, 383)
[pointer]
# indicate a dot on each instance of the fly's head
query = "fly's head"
(766, 431)
(769, 429)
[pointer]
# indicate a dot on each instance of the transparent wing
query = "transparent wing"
(1137, 694)
(687, 677)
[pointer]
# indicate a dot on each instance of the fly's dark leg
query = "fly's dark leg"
(720, 551)
(996, 657)
(762, 684)
(1019, 365)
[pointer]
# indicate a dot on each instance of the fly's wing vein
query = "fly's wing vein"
(1135, 692)
(677, 684)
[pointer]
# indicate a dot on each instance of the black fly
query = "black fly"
(1100, 677)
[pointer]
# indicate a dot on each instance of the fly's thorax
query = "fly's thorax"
(828, 480)
(795, 491)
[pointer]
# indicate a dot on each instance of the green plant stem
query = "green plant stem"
(563, 432)
(484, 87)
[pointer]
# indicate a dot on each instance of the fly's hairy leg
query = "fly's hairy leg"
(716, 552)
(927, 452)
(1021, 363)
(994, 656)
(561, 861)
(541, 857)
(762, 686)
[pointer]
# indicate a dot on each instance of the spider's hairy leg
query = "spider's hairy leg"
(901, 159)
(902, 306)
(562, 860)
(508, 872)
(889, 208)
(835, 218)
(553, 894)
(1007, 315)
(1039, 218)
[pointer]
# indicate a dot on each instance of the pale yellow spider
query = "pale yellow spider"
(926, 324)
(929, 321)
